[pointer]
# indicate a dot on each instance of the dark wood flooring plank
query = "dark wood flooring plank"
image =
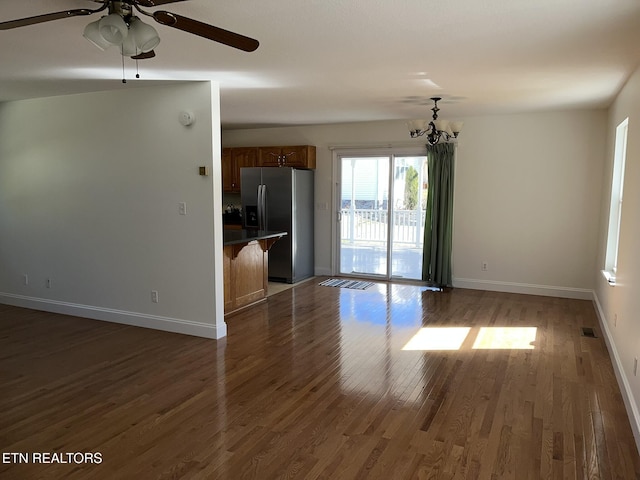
(315, 384)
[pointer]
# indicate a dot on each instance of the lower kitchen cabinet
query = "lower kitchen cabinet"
(246, 267)
(245, 275)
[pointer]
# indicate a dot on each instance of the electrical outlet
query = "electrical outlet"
(48, 283)
(25, 279)
(484, 266)
(182, 208)
(154, 296)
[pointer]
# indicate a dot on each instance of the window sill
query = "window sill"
(610, 277)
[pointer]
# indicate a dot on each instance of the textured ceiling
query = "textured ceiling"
(334, 61)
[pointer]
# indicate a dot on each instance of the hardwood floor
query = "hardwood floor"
(315, 384)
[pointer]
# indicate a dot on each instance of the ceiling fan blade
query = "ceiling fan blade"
(205, 30)
(155, 3)
(23, 22)
(145, 55)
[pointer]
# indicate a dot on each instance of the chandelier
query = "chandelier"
(121, 28)
(434, 129)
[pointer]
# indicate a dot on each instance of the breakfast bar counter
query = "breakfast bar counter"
(246, 267)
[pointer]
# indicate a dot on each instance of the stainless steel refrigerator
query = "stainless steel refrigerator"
(282, 199)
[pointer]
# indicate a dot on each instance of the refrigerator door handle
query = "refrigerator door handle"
(260, 207)
(263, 203)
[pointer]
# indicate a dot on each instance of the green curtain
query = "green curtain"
(438, 228)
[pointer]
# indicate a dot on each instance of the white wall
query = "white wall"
(527, 196)
(89, 193)
(623, 300)
(527, 201)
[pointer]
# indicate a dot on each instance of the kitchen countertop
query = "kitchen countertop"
(236, 237)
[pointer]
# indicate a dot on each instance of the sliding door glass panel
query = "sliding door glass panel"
(364, 219)
(408, 211)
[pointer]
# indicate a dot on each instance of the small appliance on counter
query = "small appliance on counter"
(232, 216)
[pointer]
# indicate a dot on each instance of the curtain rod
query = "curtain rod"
(376, 145)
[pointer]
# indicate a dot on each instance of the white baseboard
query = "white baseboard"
(525, 288)
(323, 272)
(623, 383)
(144, 320)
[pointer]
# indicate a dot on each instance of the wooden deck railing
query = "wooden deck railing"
(371, 225)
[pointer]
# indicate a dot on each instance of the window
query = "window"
(615, 207)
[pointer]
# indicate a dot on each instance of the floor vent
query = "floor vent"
(588, 332)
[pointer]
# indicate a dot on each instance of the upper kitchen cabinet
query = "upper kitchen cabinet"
(233, 159)
(301, 156)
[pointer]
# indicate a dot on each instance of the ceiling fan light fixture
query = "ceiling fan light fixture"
(113, 29)
(92, 33)
(129, 47)
(145, 36)
(121, 22)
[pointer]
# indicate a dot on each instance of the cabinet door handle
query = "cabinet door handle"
(287, 155)
(271, 154)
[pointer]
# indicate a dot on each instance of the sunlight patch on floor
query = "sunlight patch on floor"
(488, 338)
(438, 338)
(520, 338)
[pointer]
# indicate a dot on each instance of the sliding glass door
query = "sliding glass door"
(364, 215)
(381, 217)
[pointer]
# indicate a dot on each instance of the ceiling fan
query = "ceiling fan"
(121, 23)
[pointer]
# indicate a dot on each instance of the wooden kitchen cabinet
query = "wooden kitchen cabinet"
(300, 156)
(245, 276)
(246, 268)
(233, 159)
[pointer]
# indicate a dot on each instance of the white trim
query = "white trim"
(623, 383)
(525, 288)
(336, 178)
(610, 277)
(323, 272)
(144, 320)
(615, 203)
(378, 146)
